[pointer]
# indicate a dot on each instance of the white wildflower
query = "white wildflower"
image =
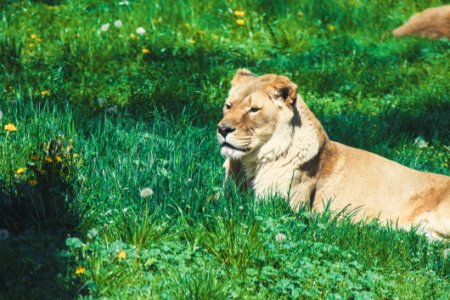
(105, 27)
(4, 234)
(92, 233)
(140, 30)
(420, 142)
(147, 192)
(112, 109)
(126, 3)
(280, 237)
(101, 101)
(118, 23)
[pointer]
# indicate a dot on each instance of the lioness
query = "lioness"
(432, 23)
(274, 144)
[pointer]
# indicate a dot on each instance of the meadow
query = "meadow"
(111, 180)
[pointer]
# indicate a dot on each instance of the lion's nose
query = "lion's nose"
(224, 130)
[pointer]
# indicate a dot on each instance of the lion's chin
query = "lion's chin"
(231, 153)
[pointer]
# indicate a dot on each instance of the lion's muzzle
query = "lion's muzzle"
(224, 130)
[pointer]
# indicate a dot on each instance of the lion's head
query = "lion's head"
(258, 115)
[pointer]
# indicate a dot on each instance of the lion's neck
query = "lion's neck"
(278, 163)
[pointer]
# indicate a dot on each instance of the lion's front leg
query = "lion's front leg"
(235, 171)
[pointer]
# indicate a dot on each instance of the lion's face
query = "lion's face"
(257, 108)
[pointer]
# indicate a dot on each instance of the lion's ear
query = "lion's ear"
(286, 89)
(241, 76)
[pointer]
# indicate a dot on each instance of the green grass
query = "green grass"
(121, 121)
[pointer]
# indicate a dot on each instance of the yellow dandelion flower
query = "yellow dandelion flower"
(38, 40)
(75, 155)
(191, 41)
(33, 182)
(10, 127)
(31, 45)
(48, 159)
(145, 51)
(187, 25)
(240, 22)
(445, 165)
(239, 13)
(35, 157)
(215, 36)
(33, 36)
(45, 92)
(133, 36)
(331, 27)
(80, 270)
(122, 254)
(58, 158)
(10, 87)
(20, 171)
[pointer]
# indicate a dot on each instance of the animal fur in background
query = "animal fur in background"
(431, 23)
(273, 143)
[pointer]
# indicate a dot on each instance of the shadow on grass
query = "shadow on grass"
(390, 127)
(179, 79)
(38, 214)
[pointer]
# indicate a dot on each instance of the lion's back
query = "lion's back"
(361, 179)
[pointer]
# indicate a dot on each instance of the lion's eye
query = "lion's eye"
(227, 106)
(255, 109)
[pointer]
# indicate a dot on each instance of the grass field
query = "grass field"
(111, 186)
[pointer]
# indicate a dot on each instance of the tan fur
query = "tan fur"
(432, 23)
(282, 148)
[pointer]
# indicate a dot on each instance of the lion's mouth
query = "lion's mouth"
(225, 144)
